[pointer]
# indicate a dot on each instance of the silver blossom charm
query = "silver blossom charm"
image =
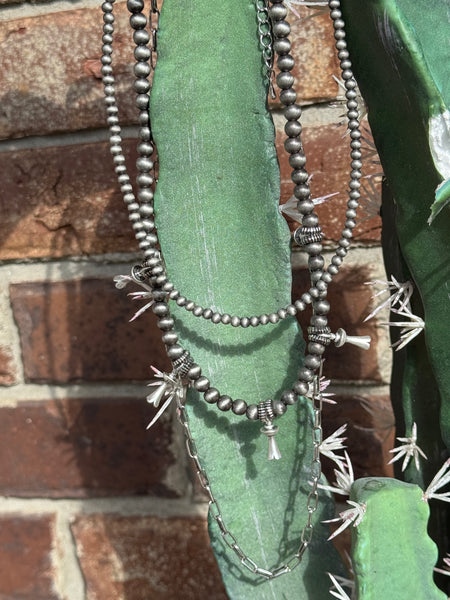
(266, 415)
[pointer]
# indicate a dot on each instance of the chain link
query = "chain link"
(216, 513)
(154, 24)
(266, 40)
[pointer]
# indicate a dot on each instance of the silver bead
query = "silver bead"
(305, 374)
(211, 396)
(286, 63)
(288, 96)
(202, 384)
(239, 407)
(319, 321)
(226, 319)
(301, 388)
(289, 397)
(138, 21)
(282, 46)
(224, 403)
(252, 412)
(293, 145)
(169, 338)
(281, 29)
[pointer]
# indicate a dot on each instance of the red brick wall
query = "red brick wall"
(92, 505)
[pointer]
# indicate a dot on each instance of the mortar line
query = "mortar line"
(86, 136)
(23, 10)
(69, 580)
(127, 506)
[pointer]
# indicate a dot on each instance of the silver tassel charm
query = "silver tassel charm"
(271, 430)
(341, 338)
(266, 415)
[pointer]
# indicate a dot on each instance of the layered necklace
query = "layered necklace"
(273, 31)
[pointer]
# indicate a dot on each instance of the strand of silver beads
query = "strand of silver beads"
(308, 235)
(153, 270)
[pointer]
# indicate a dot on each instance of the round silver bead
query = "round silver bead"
(202, 384)
(224, 403)
(239, 407)
(211, 396)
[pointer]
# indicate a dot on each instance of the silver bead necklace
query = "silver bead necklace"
(273, 32)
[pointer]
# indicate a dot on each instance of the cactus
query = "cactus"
(226, 245)
(405, 84)
(392, 555)
(220, 229)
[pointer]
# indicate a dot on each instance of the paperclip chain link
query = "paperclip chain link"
(216, 513)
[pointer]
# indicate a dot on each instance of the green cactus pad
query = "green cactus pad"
(392, 555)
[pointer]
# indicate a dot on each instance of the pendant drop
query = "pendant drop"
(270, 430)
(266, 415)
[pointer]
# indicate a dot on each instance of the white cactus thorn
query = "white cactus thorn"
(289, 208)
(408, 449)
(338, 591)
(169, 387)
(410, 329)
(344, 477)
(400, 294)
(121, 281)
(332, 443)
(446, 569)
(352, 516)
(323, 384)
(311, 3)
(440, 480)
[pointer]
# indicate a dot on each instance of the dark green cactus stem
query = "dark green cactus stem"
(405, 84)
(392, 555)
(226, 246)
(400, 57)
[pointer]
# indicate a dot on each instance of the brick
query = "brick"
(26, 558)
(56, 86)
(8, 372)
(350, 302)
(85, 447)
(370, 433)
(63, 201)
(315, 57)
(144, 558)
(78, 331)
(328, 161)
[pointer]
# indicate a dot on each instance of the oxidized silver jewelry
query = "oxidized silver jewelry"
(273, 32)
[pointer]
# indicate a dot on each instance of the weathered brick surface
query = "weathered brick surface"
(350, 302)
(146, 558)
(79, 330)
(63, 201)
(328, 161)
(8, 372)
(85, 447)
(370, 433)
(315, 56)
(56, 85)
(26, 571)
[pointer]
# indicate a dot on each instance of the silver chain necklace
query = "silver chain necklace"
(273, 32)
